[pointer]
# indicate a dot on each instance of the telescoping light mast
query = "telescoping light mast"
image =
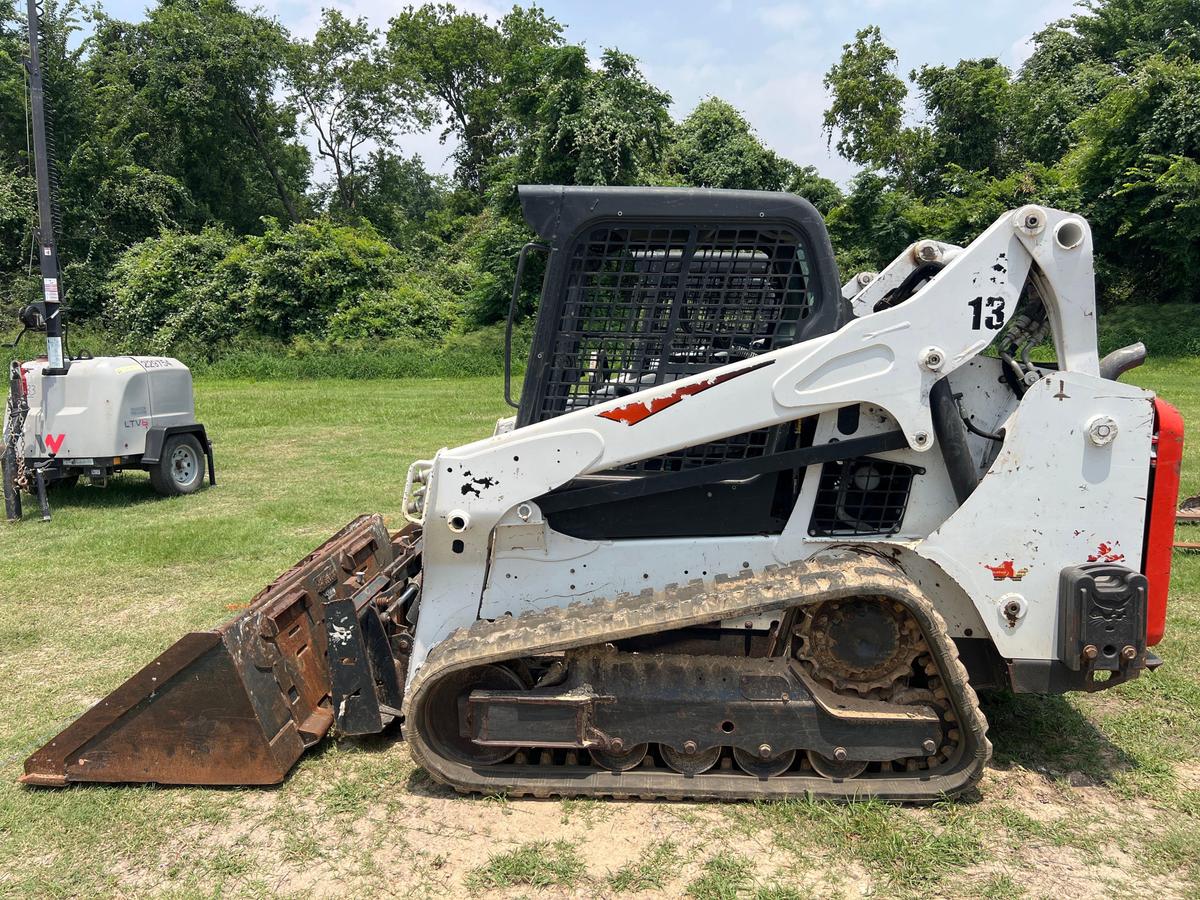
(47, 246)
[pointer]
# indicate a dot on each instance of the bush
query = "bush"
(414, 308)
(193, 294)
(294, 279)
(1169, 329)
(489, 245)
(173, 292)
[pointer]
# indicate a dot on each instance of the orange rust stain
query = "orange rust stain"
(640, 410)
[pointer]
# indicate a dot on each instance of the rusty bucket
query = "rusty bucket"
(235, 705)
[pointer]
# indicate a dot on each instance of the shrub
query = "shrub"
(1168, 329)
(413, 308)
(173, 291)
(489, 245)
(294, 279)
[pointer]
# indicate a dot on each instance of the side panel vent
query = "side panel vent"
(860, 497)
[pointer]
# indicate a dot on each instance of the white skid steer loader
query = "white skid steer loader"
(749, 533)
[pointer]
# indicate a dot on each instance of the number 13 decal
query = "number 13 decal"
(993, 306)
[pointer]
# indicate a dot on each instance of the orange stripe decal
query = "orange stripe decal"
(640, 410)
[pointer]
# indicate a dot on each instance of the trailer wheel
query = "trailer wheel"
(180, 469)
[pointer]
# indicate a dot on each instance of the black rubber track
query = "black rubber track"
(829, 575)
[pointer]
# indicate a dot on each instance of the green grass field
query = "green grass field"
(1095, 795)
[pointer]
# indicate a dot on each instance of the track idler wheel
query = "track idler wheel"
(689, 760)
(763, 766)
(620, 760)
(442, 717)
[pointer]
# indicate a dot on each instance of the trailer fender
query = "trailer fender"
(156, 439)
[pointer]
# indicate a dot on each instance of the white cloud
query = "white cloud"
(785, 16)
(303, 17)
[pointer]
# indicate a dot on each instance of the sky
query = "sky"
(767, 59)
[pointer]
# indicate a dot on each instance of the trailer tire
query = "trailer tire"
(180, 468)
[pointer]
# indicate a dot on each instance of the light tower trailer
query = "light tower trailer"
(89, 416)
(100, 416)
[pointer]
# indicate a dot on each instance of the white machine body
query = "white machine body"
(1053, 495)
(103, 407)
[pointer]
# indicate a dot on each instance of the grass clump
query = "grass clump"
(657, 865)
(539, 864)
(904, 852)
(725, 877)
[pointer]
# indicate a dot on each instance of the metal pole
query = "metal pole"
(48, 255)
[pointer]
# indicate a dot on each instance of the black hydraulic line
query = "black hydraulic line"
(1013, 376)
(742, 468)
(48, 249)
(909, 286)
(997, 436)
(951, 434)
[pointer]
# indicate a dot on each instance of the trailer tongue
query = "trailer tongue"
(241, 703)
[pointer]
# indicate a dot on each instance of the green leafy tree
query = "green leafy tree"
(1124, 34)
(1134, 165)
(969, 109)
(190, 92)
(821, 192)
(970, 201)
(867, 105)
(471, 68)
(716, 147)
(105, 202)
(401, 198)
(871, 226)
(17, 218)
(12, 82)
(1061, 78)
(489, 243)
(344, 88)
(580, 125)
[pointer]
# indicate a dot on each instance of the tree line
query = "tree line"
(192, 212)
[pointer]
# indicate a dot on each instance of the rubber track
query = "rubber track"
(829, 575)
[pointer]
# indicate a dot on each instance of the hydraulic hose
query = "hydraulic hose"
(952, 439)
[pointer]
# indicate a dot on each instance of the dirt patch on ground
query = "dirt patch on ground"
(325, 834)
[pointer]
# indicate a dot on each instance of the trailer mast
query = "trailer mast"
(48, 249)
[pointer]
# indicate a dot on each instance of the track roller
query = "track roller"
(620, 760)
(832, 768)
(764, 766)
(689, 760)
